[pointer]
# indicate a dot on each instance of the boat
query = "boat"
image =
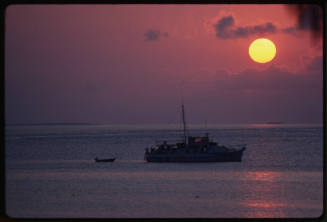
(104, 160)
(193, 149)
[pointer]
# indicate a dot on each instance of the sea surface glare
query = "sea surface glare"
(51, 173)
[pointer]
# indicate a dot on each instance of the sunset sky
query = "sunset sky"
(132, 64)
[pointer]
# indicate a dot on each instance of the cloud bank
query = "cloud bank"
(225, 29)
(273, 94)
(309, 18)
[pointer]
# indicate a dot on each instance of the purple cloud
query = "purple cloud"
(225, 29)
(309, 18)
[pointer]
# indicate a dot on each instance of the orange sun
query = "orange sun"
(262, 50)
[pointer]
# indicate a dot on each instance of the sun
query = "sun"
(262, 50)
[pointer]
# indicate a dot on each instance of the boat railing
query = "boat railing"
(236, 146)
(168, 142)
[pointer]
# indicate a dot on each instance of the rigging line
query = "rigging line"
(182, 119)
(183, 112)
(184, 123)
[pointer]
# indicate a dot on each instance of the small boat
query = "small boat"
(194, 149)
(104, 160)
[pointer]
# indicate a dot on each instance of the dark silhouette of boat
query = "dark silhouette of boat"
(104, 160)
(193, 149)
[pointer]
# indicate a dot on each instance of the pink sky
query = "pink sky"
(127, 64)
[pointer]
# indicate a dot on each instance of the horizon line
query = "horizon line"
(147, 124)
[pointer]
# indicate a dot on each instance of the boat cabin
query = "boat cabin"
(202, 139)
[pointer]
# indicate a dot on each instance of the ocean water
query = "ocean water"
(51, 173)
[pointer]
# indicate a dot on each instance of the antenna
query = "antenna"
(183, 115)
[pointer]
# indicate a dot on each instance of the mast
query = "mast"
(184, 122)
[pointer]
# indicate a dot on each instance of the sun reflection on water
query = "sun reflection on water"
(269, 176)
(265, 197)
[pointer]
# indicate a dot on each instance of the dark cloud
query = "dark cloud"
(222, 27)
(154, 35)
(309, 17)
(290, 30)
(225, 29)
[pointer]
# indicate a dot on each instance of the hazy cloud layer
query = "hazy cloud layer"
(225, 29)
(154, 35)
(273, 94)
(273, 78)
(316, 64)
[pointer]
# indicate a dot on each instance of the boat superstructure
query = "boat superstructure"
(193, 149)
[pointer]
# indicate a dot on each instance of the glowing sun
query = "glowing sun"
(262, 50)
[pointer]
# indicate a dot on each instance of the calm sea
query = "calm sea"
(51, 173)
